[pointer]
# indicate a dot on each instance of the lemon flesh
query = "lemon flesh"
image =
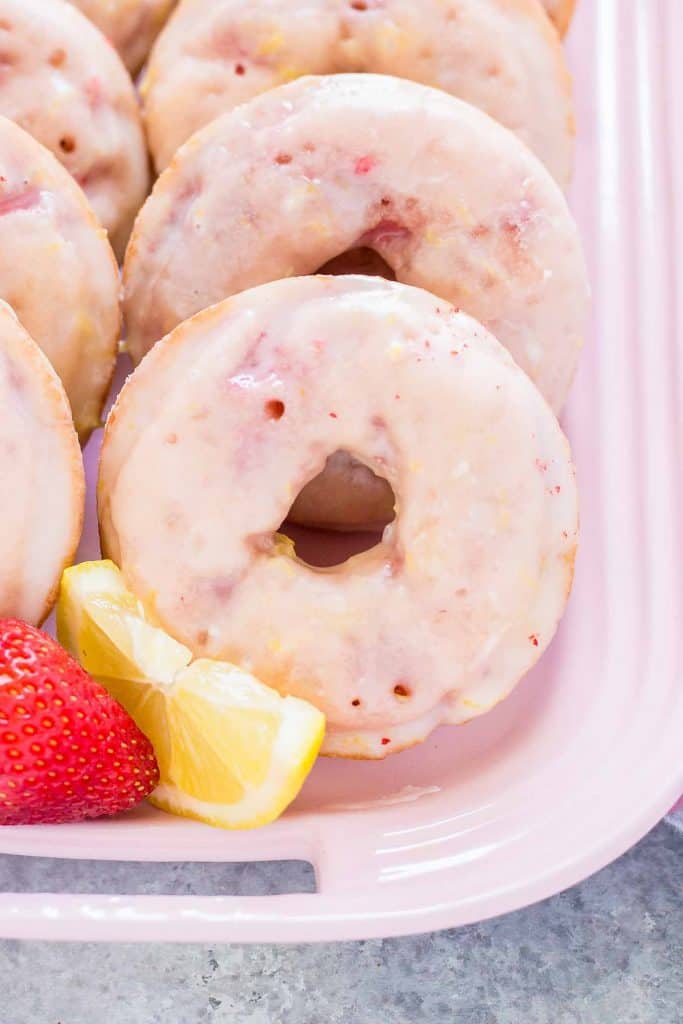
(231, 751)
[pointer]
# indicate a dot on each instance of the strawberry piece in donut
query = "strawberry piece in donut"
(57, 271)
(62, 82)
(502, 57)
(42, 477)
(233, 413)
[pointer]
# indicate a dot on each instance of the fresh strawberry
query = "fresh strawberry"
(68, 751)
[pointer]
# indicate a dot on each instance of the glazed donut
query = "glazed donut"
(561, 12)
(57, 271)
(451, 200)
(63, 83)
(502, 57)
(229, 416)
(130, 25)
(43, 488)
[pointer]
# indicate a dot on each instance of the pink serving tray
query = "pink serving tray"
(586, 756)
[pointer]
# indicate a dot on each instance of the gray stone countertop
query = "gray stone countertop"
(609, 951)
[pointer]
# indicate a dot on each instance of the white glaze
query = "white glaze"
(469, 583)
(503, 57)
(43, 488)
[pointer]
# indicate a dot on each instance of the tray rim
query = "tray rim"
(314, 917)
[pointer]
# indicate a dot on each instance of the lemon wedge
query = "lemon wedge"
(231, 751)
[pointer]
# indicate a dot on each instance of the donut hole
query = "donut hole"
(325, 549)
(361, 260)
(67, 143)
(343, 535)
(402, 692)
(358, 5)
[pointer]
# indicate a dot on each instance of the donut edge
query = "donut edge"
(562, 19)
(78, 201)
(62, 422)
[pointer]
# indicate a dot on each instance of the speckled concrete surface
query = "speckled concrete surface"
(609, 951)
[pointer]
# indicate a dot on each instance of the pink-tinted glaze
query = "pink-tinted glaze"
(41, 471)
(57, 271)
(63, 84)
(226, 420)
(130, 25)
(303, 173)
(502, 57)
(22, 199)
(542, 791)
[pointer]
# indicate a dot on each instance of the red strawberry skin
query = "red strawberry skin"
(68, 751)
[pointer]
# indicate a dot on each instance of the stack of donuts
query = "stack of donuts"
(354, 299)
